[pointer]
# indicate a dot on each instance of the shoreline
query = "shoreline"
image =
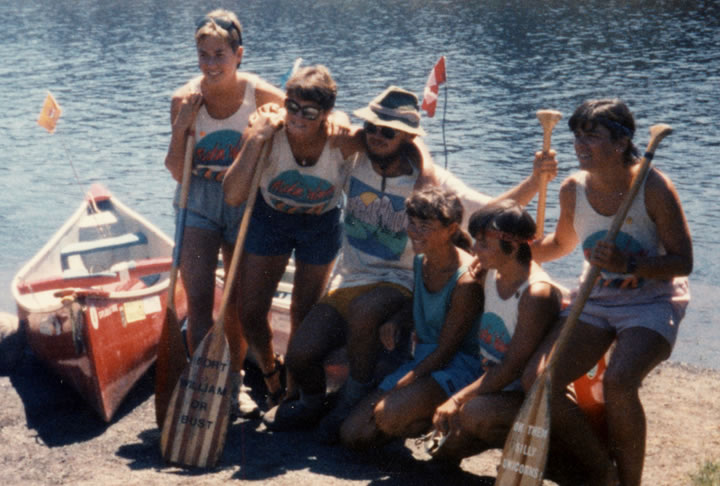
(49, 436)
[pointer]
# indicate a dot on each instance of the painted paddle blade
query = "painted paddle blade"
(197, 417)
(526, 448)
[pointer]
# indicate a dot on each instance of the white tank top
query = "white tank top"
(219, 140)
(638, 236)
(291, 188)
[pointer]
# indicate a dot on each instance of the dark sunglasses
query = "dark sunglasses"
(386, 132)
(307, 112)
(227, 25)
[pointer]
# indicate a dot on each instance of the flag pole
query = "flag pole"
(443, 123)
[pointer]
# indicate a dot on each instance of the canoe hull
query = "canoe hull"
(101, 346)
(98, 326)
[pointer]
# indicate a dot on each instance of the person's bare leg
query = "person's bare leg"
(408, 411)
(198, 261)
(309, 285)
(569, 424)
(258, 280)
(233, 328)
(359, 431)
(367, 313)
(637, 352)
(322, 330)
(483, 423)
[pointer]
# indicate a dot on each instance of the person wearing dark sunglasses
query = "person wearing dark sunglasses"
(297, 210)
(368, 305)
(214, 108)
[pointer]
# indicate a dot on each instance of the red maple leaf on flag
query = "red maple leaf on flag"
(435, 79)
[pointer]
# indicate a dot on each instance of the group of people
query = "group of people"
(385, 261)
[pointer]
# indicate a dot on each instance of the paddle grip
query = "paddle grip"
(548, 120)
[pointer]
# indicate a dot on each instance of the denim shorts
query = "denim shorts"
(462, 370)
(206, 209)
(314, 238)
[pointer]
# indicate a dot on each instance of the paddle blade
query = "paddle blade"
(199, 410)
(526, 448)
(169, 365)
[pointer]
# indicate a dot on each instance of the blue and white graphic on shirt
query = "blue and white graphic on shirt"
(216, 151)
(297, 193)
(626, 244)
(493, 338)
(375, 222)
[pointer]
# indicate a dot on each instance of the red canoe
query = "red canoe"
(92, 300)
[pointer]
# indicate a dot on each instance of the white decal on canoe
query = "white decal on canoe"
(153, 305)
(94, 317)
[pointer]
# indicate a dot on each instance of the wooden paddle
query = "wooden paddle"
(171, 360)
(197, 418)
(548, 120)
(526, 448)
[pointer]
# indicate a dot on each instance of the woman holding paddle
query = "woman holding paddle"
(446, 303)
(639, 298)
(304, 170)
(213, 110)
(521, 305)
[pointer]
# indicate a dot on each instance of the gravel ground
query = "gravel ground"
(48, 436)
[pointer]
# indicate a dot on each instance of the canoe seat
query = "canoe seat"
(99, 224)
(68, 254)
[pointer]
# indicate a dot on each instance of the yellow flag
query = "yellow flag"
(49, 114)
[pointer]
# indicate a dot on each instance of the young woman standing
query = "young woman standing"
(297, 209)
(214, 107)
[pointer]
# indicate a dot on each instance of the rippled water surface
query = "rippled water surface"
(113, 65)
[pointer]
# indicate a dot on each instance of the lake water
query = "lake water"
(113, 66)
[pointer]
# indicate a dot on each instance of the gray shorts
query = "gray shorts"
(662, 316)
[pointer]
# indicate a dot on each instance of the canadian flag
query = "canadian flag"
(430, 95)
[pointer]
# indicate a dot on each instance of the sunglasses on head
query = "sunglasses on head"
(227, 25)
(308, 112)
(386, 132)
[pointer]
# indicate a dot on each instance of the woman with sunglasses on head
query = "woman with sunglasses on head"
(297, 209)
(640, 297)
(214, 107)
(521, 305)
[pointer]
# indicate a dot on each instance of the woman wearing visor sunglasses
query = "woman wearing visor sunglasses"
(214, 108)
(296, 210)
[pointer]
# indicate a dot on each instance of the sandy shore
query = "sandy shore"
(48, 436)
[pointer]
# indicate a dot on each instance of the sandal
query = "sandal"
(274, 398)
(432, 441)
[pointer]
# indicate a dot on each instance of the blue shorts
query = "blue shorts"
(206, 209)
(462, 370)
(315, 238)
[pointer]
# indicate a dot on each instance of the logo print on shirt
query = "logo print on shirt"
(493, 337)
(218, 149)
(293, 192)
(627, 244)
(375, 222)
